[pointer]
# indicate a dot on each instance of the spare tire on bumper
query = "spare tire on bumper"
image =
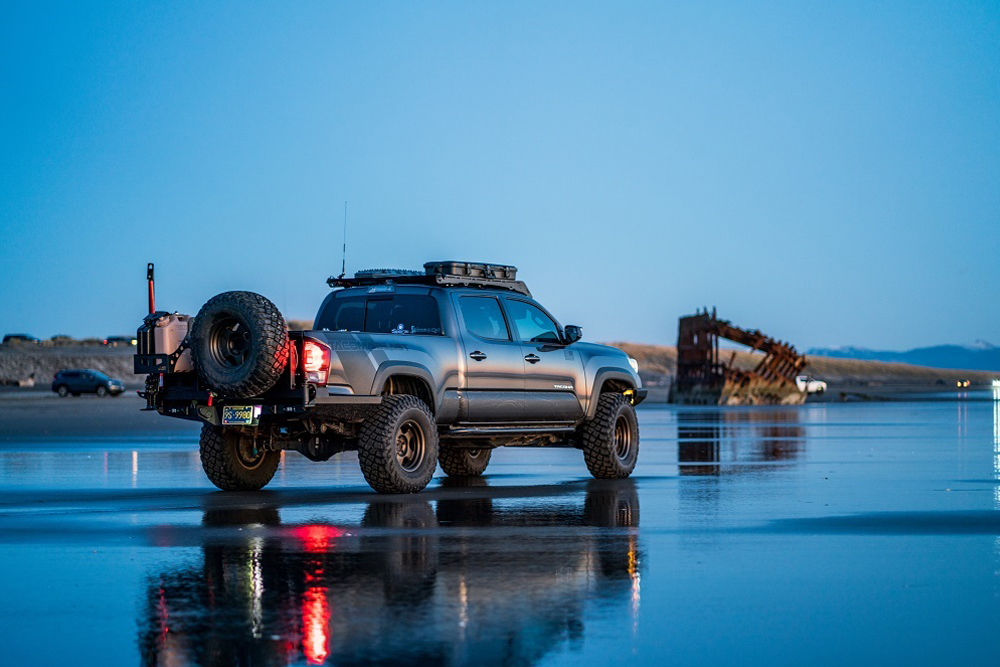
(239, 344)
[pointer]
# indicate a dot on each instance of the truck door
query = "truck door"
(495, 365)
(553, 371)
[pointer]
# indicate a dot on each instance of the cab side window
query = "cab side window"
(483, 317)
(532, 324)
(403, 314)
(395, 314)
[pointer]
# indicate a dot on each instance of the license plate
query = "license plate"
(240, 415)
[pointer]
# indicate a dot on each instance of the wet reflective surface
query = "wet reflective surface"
(825, 533)
(400, 587)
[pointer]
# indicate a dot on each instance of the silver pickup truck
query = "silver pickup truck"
(408, 368)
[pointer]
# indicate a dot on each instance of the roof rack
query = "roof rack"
(443, 274)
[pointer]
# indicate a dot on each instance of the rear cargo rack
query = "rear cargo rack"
(443, 274)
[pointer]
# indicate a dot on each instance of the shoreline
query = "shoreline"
(847, 379)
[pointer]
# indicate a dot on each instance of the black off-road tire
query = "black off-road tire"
(386, 460)
(225, 466)
(239, 344)
(611, 439)
(464, 462)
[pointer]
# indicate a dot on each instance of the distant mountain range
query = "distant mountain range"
(980, 356)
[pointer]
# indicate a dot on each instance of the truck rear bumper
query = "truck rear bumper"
(186, 406)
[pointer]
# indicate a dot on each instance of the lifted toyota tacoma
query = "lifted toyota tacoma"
(408, 368)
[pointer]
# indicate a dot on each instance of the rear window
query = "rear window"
(343, 315)
(396, 314)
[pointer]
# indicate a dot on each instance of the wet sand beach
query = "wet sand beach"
(822, 534)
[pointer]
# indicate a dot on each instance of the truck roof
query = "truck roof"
(440, 274)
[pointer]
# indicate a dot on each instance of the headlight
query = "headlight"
(634, 364)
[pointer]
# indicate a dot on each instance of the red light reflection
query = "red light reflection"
(316, 538)
(315, 625)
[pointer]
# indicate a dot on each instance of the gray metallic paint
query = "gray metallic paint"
(466, 390)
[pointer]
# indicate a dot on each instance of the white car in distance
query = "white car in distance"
(809, 384)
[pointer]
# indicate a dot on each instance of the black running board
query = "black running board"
(492, 431)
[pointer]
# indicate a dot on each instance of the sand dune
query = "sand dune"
(657, 363)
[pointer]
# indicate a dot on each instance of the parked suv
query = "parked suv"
(78, 382)
(408, 368)
(20, 339)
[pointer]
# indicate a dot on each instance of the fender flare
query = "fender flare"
(392, 367)
(604, 374)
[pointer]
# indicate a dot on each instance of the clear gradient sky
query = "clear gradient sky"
(827, 172)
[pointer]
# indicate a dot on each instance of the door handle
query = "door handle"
(477, 355)
(532, 358)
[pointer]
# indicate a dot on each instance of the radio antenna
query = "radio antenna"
(343, 261)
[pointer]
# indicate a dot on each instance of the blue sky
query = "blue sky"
(826, 172)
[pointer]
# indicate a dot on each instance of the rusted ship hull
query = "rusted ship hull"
(737, 392)
(702, 379)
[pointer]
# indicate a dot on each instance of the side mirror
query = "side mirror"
(572, 333)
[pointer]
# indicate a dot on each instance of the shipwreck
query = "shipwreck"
(704, 379)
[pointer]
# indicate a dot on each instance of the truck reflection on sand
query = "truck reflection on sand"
(411, 585)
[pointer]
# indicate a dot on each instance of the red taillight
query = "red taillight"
(315, 361)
